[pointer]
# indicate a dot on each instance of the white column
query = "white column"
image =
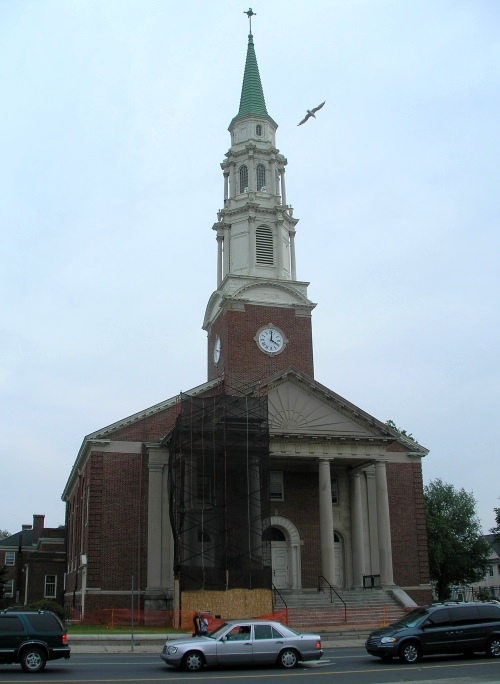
(292, 255)
(225, 269)
(271, 181)
(226, 185)
(251, 245)
(278, 248)
(255, 509)
(159, 557)
(154, 525)
(326, 522)
(358, 542)
(232, 180)
(220, 240)
(283, 189)
(383, 524)
(252, 181)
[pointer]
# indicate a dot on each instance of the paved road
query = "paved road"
(338, 666)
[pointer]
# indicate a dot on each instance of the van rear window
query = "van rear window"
(45, 622)
(10, 624)
(489, 613)
(464, 615)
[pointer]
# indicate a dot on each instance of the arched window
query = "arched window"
(243, 178)
(264, 251)
(273, 534)
(261, 177)
(258, 129)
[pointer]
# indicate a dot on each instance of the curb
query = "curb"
(152, 643)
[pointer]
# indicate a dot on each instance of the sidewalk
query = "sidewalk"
(153, 643)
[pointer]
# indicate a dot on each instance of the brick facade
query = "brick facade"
(241, 361)
(408, 526)
(39, 553)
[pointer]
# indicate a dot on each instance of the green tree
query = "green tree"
(4, 534)
(3, 579)
(408, 435)
(496, 530)
(458, 553)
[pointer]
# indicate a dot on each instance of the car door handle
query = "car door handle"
(279, 642)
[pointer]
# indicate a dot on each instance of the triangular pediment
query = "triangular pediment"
(300, 406)
(293, 410)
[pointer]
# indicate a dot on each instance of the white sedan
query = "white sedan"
(244, 642)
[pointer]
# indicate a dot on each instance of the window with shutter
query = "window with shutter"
(264, 246)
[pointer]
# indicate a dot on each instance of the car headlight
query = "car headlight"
(171, 650)
(388, 640)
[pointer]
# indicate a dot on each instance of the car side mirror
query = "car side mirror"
(224, 638)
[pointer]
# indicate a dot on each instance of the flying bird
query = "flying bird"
(311, 112)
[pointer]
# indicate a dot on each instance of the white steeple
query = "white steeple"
(256, 228)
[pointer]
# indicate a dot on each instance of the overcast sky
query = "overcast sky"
(113, 124)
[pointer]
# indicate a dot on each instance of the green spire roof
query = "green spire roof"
(252, 96)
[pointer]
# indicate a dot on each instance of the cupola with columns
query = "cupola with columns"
(259, 319)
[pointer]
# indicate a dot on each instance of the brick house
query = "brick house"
(260, 476)
(35, 559)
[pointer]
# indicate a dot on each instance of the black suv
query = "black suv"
(31, 638)
(440, 628)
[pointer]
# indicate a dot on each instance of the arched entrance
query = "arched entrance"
(285, 553)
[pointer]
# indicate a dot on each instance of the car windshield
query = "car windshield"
(218, 631)
(412, 619)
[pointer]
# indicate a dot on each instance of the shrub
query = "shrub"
(483, 594)
(47, 604)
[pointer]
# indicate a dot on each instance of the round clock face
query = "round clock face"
(270, 340)
(217, 350)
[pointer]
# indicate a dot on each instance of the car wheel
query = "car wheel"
(288, 659)
(193, 661)
(409, 652)
(33, 659)
(493, 647)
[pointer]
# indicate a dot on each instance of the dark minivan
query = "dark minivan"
(437, 629)
(31, 638)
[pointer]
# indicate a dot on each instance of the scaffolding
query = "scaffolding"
(219, 493)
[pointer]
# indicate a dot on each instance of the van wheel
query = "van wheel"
(409, 652)
(288, 659)
(193, 661)
(493, 647)
(33, 659)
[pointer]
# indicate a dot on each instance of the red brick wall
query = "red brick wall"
(115, 536)
(408, 528)
(149, 429)
(302, 508)
(241, 360)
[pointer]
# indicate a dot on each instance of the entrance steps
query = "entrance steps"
(310, 608)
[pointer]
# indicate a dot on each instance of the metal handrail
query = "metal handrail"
(333, 591)
(276, 591)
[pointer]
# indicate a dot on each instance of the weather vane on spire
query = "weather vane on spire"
(250, 13)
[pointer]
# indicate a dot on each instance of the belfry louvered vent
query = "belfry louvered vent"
(264, 246)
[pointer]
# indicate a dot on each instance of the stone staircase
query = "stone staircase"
(310, 608)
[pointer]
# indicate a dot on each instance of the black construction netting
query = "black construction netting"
(219, 493)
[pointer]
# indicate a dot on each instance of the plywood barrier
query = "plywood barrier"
(233, 603)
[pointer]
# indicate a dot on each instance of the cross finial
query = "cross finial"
(250, 13)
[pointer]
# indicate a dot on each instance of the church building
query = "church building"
(259, 481)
